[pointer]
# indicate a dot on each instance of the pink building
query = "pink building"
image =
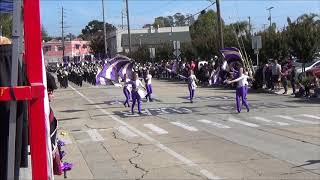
(52, 50)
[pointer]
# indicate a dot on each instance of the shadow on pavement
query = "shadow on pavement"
(72, 111)
(304, 100)
(67, 119)
(309, 162)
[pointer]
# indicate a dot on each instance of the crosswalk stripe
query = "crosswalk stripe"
(270, 121)
(296, 120)
(156, 129)
(184, 126)
(126, 132)
(243, 122)
(218, 125)
(310, 116)
(94, 134)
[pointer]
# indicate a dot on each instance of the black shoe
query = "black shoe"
(139, 113)
(124, 104)
(248, 110)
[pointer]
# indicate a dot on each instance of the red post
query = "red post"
(33, 57)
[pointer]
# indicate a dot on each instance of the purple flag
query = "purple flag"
(231, 54)
(126, 69)
(110, 70)
(113, 69)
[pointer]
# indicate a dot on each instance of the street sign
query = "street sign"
(177, 52)
(256, 42)
(176, 44)
(152, 53)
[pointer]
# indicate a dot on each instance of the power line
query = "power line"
(192, 15)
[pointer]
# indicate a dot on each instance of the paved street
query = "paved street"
(173, 139)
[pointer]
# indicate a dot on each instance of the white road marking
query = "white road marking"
(218, 125)
(94, 135)
(243, 122)
(270, 121)
(126, 132)
(310, 116)
(296, 120)
(156, 129)
(84, 140)
(156, 143)
(184, 126)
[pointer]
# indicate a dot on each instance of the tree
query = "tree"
(71, 36)
(44, 34)
(203, 34)
(164, 52)
(147, 26)
(6, 23)
(142, 55)
(93, 32)
(163, 22)
(303, 37)
(179, 19)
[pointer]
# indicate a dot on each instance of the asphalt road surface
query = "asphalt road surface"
(173, 139)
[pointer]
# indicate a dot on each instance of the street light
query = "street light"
(269, 9)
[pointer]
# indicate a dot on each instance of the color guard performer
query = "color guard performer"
(241, 90)
(136, 89)
(148, 86)
(126, 90)
(192, 85)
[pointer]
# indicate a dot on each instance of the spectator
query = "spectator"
(276, 72)
(293, 79)
(284, 79)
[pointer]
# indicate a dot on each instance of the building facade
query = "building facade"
(118, 40)
(52, 50)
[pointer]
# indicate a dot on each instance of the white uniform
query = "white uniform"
(242, 80)
(128, 85)
(149, 77)
(192, 81)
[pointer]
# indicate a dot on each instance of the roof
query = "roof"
(6, 6)
(155, 38)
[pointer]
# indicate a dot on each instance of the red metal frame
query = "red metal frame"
(35, 92)
(33, 59)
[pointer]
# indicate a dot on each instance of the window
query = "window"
(46, 48)
(84, 46)
(317, 64)
(77, 46)
(60, 48)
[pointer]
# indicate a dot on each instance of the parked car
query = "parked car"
(315, 63)
(314, 72)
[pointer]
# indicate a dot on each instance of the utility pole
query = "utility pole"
(128, 23)
(264, 27)
(249, 25)
(269, 9)
(62, 31)
(220, 31)
(104, 31)
(122, 19)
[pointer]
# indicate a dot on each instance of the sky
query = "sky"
(79, 12)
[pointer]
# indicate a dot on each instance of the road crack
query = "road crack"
(138, 154)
